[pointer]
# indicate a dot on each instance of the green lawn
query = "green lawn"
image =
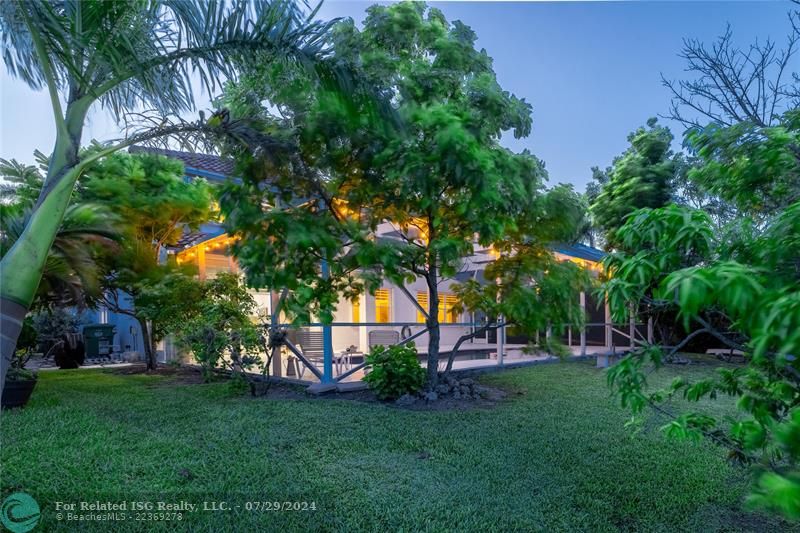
(553, 456)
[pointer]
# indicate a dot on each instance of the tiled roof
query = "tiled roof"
(205, 232)
(193, 161)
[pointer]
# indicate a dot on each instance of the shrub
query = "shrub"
(395, 371)
(223, 335)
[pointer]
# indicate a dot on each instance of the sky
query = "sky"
(591, 71)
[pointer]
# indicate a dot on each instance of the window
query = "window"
(447, 301)
(356, 304)
(422, 300)
(215, 263)
(383, 303)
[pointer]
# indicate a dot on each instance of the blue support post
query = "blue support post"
(327, 339)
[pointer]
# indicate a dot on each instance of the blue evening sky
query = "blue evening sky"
(589, 69)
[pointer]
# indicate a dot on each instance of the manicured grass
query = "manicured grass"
(553, 456)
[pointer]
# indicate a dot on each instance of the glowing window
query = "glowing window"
(422, 300)
(447, 315)
(450, 301)
(383, 303)
(357, 310)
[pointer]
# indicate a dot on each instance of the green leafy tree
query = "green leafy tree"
(440, 182)
(223, 333)
(754, 168)
(641, 177)
(732, 276)
(148, 192)
(589, 232)
(741, 287)
(127, 56)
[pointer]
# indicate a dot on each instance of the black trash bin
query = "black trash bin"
(99, 339)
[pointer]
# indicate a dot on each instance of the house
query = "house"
(390, 311)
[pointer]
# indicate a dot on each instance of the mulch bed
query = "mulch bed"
(188, 375)
(178, 375)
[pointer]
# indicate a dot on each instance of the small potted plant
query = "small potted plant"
(20, 381)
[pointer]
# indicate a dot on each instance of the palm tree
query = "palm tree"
(127, 56)
(73, 270)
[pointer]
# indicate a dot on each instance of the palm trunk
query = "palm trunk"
(11, 316)
(22, 266)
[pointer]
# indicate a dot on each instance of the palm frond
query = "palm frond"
(73, 271)
(21, 183)
(149, 54)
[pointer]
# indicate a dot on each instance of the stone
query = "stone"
(351, 386)
(442, 389)
(405, 400)
(431, 396)
(321, 388)
(453, 382)
(457, 395)
(468, 382)
(480, 391)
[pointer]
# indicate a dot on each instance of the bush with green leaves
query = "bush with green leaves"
(751, 282)
(223, 334)
(395, 371)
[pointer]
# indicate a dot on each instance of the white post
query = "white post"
(609, 333)
(583, 329)
(650, 330)
(501, 341)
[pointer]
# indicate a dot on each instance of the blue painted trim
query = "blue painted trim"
(209, 174)
(327, 338)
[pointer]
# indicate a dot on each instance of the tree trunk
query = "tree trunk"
(149, 345)
(11, 316)
(433, 330)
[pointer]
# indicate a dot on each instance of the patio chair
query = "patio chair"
(311, 345)
(383, 337)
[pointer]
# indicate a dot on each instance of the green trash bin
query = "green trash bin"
(99, 340)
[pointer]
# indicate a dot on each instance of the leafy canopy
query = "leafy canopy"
(149, 193)
(741, 287)
(433, 189)
(641, 177)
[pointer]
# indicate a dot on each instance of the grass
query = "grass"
(553, 457)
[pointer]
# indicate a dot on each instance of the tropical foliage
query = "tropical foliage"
(75, 263)
(156, 205)
(128, 56)
(440, 182)
(223, 333)
(643, 176)
(739, 286)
